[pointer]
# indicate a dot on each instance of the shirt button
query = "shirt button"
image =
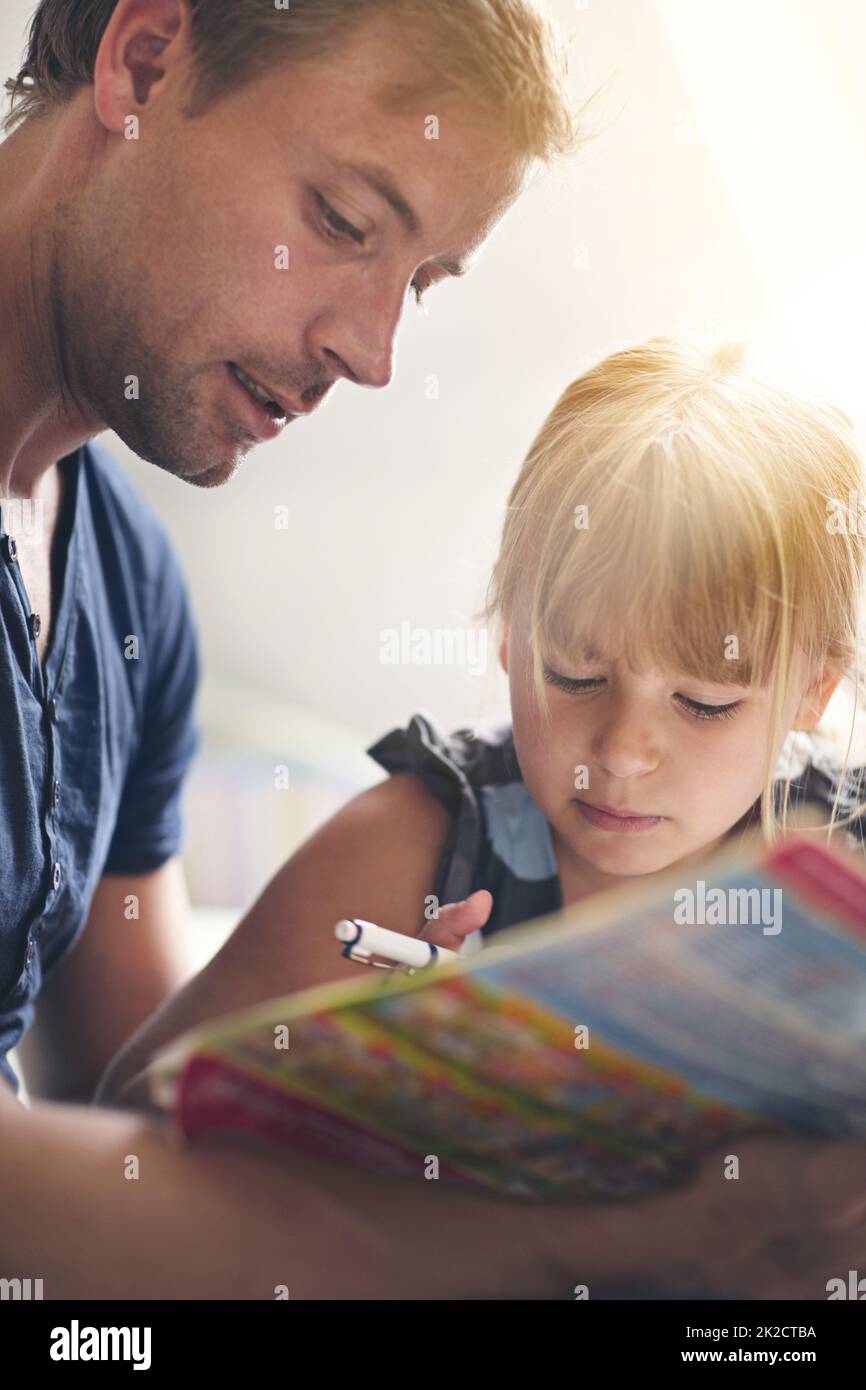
(55, 793)
(56, 877)
(29, 952)
(10, 549)
(52, 710)
(34, 622)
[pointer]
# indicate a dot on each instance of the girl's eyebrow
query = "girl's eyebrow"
(582, 651)
(733, 673)
(588, 651)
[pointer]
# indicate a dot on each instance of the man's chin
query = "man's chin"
(199, 475)
(211, 468)
(192, 442)
(213, 476)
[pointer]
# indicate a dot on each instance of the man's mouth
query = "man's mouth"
(278, 408)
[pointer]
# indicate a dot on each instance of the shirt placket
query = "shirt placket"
(49, 702)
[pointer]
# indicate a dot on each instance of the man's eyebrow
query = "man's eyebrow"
(381, 182)
(450, 267)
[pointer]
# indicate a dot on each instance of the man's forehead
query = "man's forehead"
(367, 108)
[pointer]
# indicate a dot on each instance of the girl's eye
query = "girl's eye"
(573, 685)
(709, 711)
(570, 684)
(334, 226)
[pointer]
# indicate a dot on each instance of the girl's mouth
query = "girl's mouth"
(616, 821)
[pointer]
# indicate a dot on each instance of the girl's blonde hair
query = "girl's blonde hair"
(705, 512)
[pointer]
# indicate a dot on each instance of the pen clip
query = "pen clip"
(363, 940)
(363, 958)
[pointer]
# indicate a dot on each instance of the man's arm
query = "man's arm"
(126, 962)
(228, 1222)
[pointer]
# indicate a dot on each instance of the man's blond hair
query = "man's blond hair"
(502, 56)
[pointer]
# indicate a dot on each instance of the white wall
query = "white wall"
(664, 222)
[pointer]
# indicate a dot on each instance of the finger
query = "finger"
(456, 921)
(475, 910)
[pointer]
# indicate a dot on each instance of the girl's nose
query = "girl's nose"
(626, 746)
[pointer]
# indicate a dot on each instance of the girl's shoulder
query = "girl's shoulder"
(500, 839)
(450, 764)
(826, 781)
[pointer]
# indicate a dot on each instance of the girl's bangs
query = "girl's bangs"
(661, 583)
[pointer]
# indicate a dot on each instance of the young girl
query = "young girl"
(680, 590)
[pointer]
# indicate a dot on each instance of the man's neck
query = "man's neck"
(40, 419)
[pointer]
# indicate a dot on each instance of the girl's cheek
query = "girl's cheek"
(735, 761)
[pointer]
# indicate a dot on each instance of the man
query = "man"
(150, 257)
(142, 254)
(274, 234)
(210, 214)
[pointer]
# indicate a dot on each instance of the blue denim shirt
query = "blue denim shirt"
(95, 742)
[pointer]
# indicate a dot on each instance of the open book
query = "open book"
(591, 1055)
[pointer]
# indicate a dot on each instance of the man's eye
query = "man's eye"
(418, 290)
(334, 226)
(573, 685)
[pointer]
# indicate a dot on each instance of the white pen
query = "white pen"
(364, 939)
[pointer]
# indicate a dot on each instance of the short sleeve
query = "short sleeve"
(440, 761)
(149, 826)
(828, 782)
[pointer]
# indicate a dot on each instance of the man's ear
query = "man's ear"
(142, 40)
(815, 698)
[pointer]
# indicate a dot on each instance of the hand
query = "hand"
(456, 921)
(133, 1094)
(794, 1219)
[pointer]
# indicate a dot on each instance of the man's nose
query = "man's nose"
(356, 339)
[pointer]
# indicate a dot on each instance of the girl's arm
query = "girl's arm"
(377, 858)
